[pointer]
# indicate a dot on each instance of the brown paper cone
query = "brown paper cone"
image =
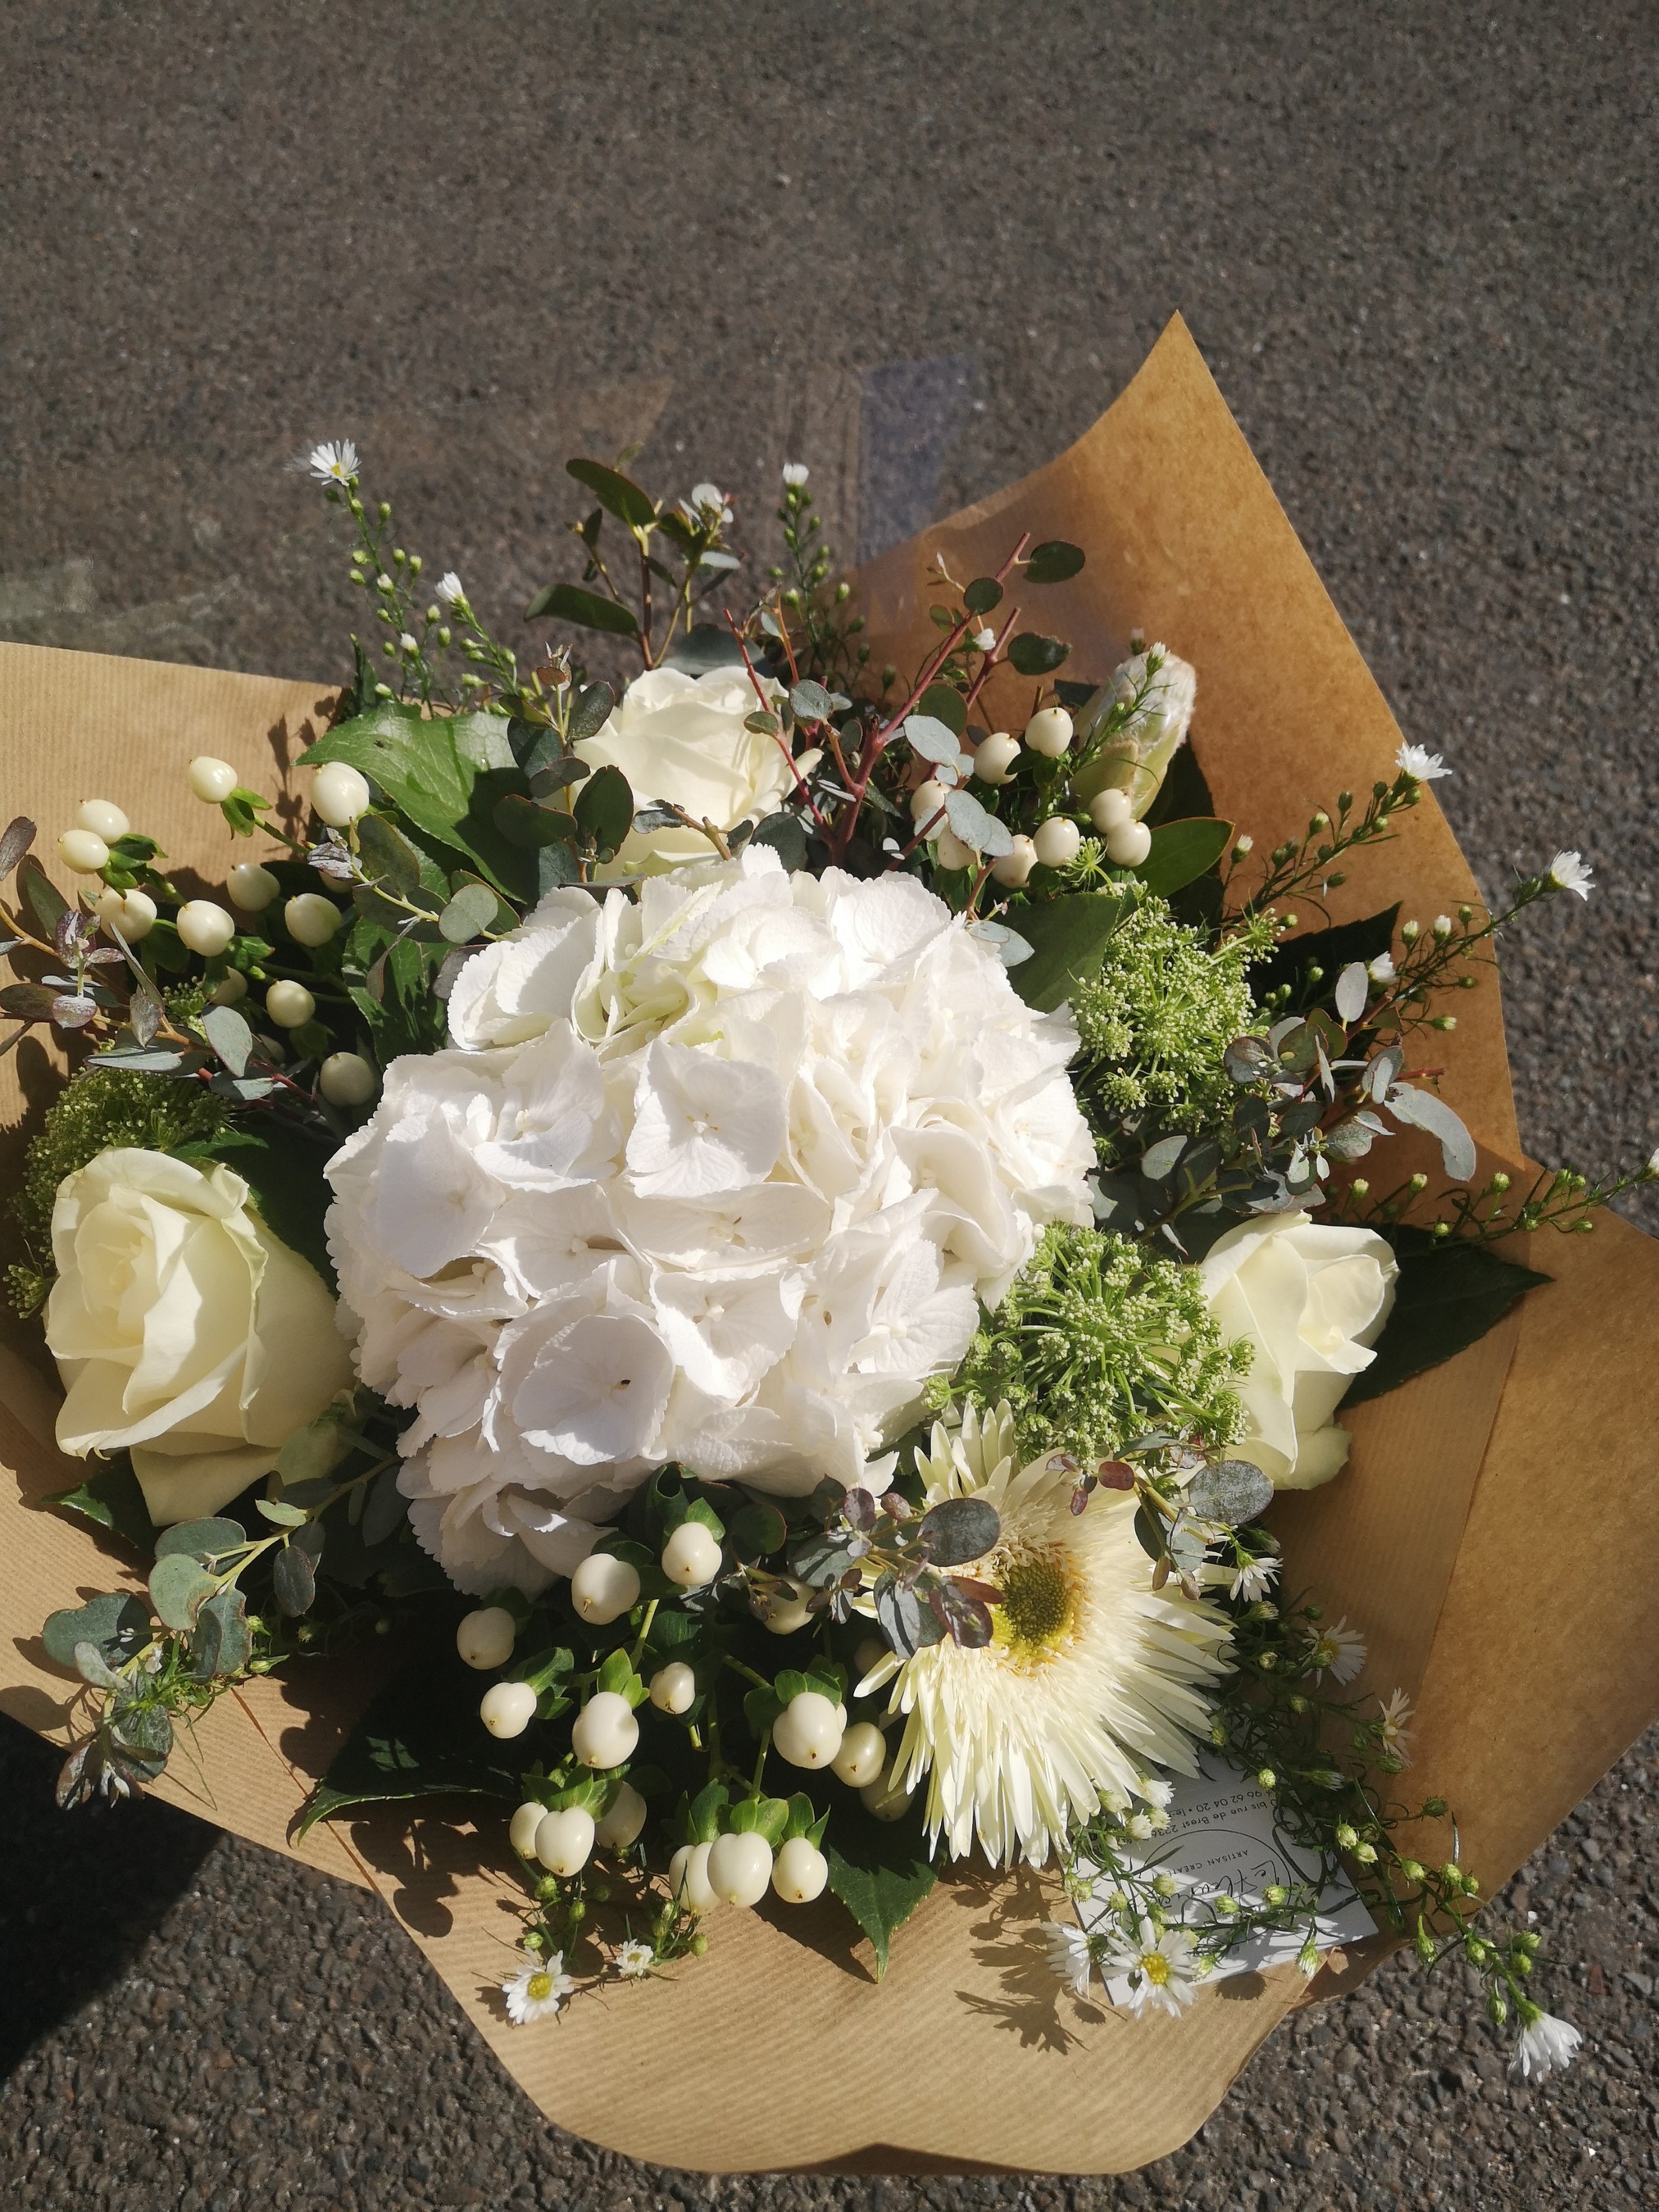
(1457, 1540)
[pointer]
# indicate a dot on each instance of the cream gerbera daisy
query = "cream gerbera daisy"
(1090, 1676)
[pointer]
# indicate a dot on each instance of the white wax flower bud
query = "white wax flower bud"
(951, 852)
(1109, 809)
(205, 926)
(1057, 842)
(132, 913)
(230, 990)
(1049, 732)
(622, 1820)
(83, 850)
(564, 1839)
(346, 1078)
(604, 1732)
(786, 1610)
(673, 1687)
(103, 818)
(603, 1588)
(800, 1872)
(808, 1731)
(521, 1829)
(311, 918)
(212, 779)
(485, 1638)
(506, 1709)
(993, 763)
(688, 1878)
(251, 887)
(926, 800)
(339, 793)
(983, 640)
(1127, 846)
(885, 1800)
(740, 1868)
(1014, 868)
(691, 1557)
(289, 1005)
(862, 1755)
(795, 473)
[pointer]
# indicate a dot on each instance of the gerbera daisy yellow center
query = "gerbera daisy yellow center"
(1039, 1599)
(538, 1987)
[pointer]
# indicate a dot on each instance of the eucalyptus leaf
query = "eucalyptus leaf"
(1426, 1109)
(958, 1530)
(1054, 562)
(293, 1581)
(982, 596)
(15, 841)
(932, 739)
(976, 828)
(45, 903)
(469, 913)
(204, 1540)
(179, 1586)
(229, 1036)
(784, 834)
(943, 702)
(222, 1643)
(605, 809)
(589, 710)
(1352, 988)
(1232, 1491)
(618, 494)
(1032, 654)
(811, 702)
(116, 1625)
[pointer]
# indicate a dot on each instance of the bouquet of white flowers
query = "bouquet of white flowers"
(774, 1226)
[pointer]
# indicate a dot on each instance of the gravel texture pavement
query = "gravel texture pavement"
(920, 249)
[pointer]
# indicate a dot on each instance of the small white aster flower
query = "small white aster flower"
(1545, 2045)
(708, 502)
(1156, 1791)
(1381, 969)
(983, 639)
(406, 644)
(451, 590)
(1396, 1723)
(1417, 761)
(634, 1959)
(1162, 1968)
(1339, 1650)
(1254, 1580)
(1569, 873)
(1139, 1826)
(334, 462)
(1068, 1955)
(795, 473)
(1442, 925)
(538, 1989)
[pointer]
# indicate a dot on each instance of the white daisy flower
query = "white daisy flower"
(1569, 873)
(1339, 1651)
(1545, 2045)
(709, 500)
(634, 1959)
(1417, 761)
(1254, 1580)
(1396, 1731)
(1156, 1791)
(538, 1989)
(451, 590)
(334, 462)
(795, 473)
(1068, 1955)
(1089, 1678)
(1160, 1967)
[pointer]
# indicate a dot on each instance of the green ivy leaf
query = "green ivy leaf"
(1450, 1292)
(880, 1872)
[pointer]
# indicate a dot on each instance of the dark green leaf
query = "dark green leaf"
(385, 1511)
(1032, 654)
(42, 897)
(756, 1528)
(983, 594)
(1450, 1292)
(419, 1738)
(605, 809)
(522, 822)
(387, 855)
(590, 711)
(618, 494)
(203, 1540)
(293, 1581)
(1328, 949)
(116, 1625)
(1053, 562)
(111, 1497)
(786, 835)
(284, 1173)
(943, 702)
(571, 603)
(1184, 851)
(1067, 937)
(445, 773)
(879, 1871)
(761, 1816)
(1184, 791)
(1232, 1491)
(958, 1530)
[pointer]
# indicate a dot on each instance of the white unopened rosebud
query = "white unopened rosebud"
(564, 1839)
(674, 1687)
(951, 852)
(506, 1709)
(1057, 842)
(691, 1557)
(1127, 846)
(1111, 810)
(251, 887)
(862, 1755)
(83, 850)
(346, 1078)
(622, 1820)
(103, 818)
(521, 1829)
(311, 919)
(1049, 732)
(132, 913)
(807, 1732)
(801, 1872)
(204, 926)
(289, 1005)
(212, 779)
(485, 1638)
(604, 1732)
(740, 1868)
(884, 1799)
(994, 762)
(1013, 868)
(688, 1878)
(603, 1588)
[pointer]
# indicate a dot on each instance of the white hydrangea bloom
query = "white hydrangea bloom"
(721, 1175)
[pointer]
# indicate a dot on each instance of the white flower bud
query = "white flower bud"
(800, 1872)
(951, 852)
(783, 1611)
(808, 1731)
(346, 1078)
(795, 473)
(311, 918)
(1049, 732)
(691, 1557)
(688, 1878)
(604, 1732)
(485, 1638)
(740, 1868)
(603, 1588)
(83, 850)
(1111, 810)
(289, 1005)
(1057, 842)
(506, 1709)
(1127, 846)
(673, 1687)
(564, 1839)
(1014, 868)
(862, 1755)
(624, 1821)
(205, 926)
(133, 913)
(212, 779)
(339, 794)
(984, 640)
(103, 818)
(230, 990)
(925, 801)
(885, 1800)
(251, 887)
(994, 761)
(521, 1829)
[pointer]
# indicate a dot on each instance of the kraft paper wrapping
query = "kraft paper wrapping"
(1455, 1539)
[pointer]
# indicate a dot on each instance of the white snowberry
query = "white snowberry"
(1049, 732)
(251, 887)
(927, 803)
(623, 1820)
(995, 759)
(1111, 810)
(1057, 842)
(808, 1731)
(230, 990)
(485, 1638)
(884, 1799)
(801, 1871)
(339, 794)
(311, 918)
(603, 1588)
(205, 926)
(1127, 846)
(521, 1829)
(786, 1610)
(673, 1687)
(688, 1878)
(740, 1868)
(691, 1557)
(506, 1709)
(103, 818)
(83, 850)
(1013, 868)
(564, 1839)
(289, 1005)
(132, 913)
(862, 1755)
(604, 1732)
(951, 852)
(212, 779)
(346, 1078)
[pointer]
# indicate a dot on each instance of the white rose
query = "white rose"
(183, 1330)
(681, 738)
(1312, 1299)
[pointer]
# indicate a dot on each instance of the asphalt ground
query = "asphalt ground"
(920, 249)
